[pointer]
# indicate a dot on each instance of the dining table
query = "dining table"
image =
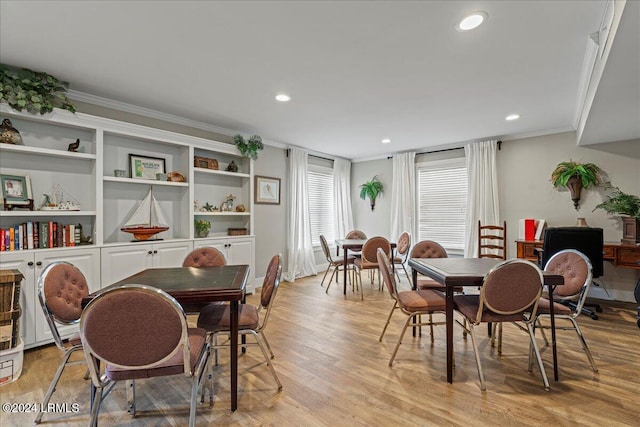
(195, 287)
(354, 245)
(457, 272)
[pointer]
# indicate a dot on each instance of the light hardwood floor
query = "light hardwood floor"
(335, 373)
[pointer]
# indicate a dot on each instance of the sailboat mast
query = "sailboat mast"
(150, 204)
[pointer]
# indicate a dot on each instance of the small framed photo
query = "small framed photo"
(16, 189)
(143, 167)
(267, 190)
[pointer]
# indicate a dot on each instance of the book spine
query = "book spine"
(12, 239)
(16, 237)
(72, 235)
(59, 234)
(50, 235)
(529, 229)
(36, 235)
(44, 235)
(23, 236)
(2, 245)
(76, 235)
(29, 235)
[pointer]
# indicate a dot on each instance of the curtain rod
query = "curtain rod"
(446, 149)
(312, 155)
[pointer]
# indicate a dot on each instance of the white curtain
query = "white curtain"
(483, 191)
(343, 216)
(300, 260)
(403, 195)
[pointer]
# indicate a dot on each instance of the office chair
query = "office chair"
(589, 241)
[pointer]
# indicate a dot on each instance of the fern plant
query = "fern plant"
(250, 147)
(588, 173)
(371, 189)
(620, 203)
(33, 91)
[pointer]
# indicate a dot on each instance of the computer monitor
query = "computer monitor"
(589, 241)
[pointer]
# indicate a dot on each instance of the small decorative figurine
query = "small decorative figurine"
(232, 167)
(9, 134)
(240, 208)
(74, 146)
(228, 203)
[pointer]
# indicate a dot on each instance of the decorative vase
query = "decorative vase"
(232, 167)
(582, 223)
(202, 234)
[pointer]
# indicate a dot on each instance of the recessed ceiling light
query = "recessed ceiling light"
(471, 21)
(283, 97)
(386, 141)
(511, 117)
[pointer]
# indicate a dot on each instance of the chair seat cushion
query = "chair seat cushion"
(468, 305)
(424, 300)
(364, 265)
(216, 317)
(558, 309)
(173, 366)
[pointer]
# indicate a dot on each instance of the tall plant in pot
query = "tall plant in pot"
(371, 189)
(627, 206)
(575, 176)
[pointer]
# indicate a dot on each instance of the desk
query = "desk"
(354, 245)
(620, 255)
(194, 287)
(452, 272)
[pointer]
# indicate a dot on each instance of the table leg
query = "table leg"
(344, 268)
(234, 354)
(449, 321)
(414, 286)
(553, 334)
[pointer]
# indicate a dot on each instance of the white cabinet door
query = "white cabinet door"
(171, 254)
(88, 261)
(23, 262)
(119, 262)
(236, 250)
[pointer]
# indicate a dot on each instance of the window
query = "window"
(320, 182)
(442, 203)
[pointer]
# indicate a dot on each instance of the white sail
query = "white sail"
(148, 214)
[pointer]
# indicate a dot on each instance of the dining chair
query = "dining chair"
(138, 332)
(576, 269)
(428, 249)
(369, 260)
(402, 254)
(356, 234)
(411, 303)
(492, 241)
(61, 287)
(205, 256)
(334, 262)
(215, 318)
(510, 292)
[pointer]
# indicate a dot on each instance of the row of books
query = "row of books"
(531, 229)
(39, 235)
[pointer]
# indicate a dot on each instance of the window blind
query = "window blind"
(321, 204)
(442, 203)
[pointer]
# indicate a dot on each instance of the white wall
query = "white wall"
(378, 221)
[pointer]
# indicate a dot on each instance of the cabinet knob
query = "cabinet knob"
(30, 263)
(39, 264)
(155, 252)
(150, 252)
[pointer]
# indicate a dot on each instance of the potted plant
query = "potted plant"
(250, 147)
(628, 207)
(575, 176)
(33, 91)
(371, 189)
(202, 228)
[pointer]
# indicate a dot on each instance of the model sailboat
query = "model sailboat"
(147, 220)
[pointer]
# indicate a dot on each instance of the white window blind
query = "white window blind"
(442, 203)
(321, 205)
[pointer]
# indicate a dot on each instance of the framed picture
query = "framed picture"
(144, 167)
(16, 189)
(267, 190)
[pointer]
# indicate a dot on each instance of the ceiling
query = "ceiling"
(357, 72)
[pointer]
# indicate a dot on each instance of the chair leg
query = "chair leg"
(266, 341)
(266, 358)
(483, 387)
(431, 326)
(532, 337)
(585, 347)
(395, 304)
(95, 410)
(54, 382)
(325, 275)
(404, 329)
(330, 279)
(131, 384)
(406, 273)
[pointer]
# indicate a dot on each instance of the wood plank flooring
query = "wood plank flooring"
(335, 373)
